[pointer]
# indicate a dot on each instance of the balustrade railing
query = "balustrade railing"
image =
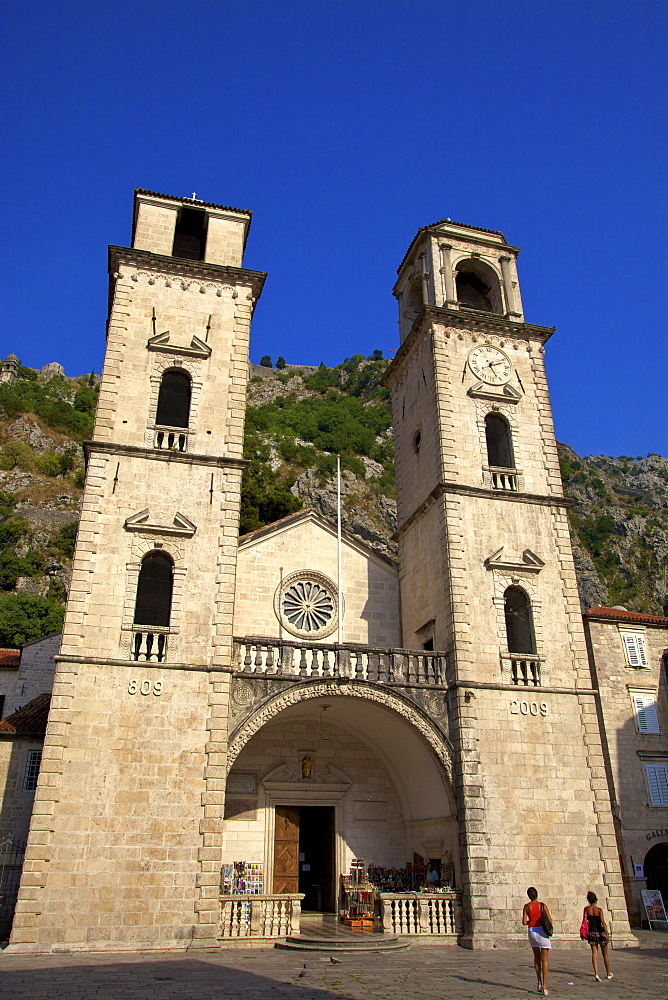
(271, 916)
(525, 672)
(504, 480)
(300, 660)
(170, 439)
(149, 644)
(437, 914)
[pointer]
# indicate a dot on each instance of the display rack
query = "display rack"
(357, 896)
(242, 878)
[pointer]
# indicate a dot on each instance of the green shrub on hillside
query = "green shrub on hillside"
(62, 407)
(24, 618)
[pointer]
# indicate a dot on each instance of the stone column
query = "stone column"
(447, 279)
(511, 300)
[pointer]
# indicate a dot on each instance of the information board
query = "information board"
(654, 907)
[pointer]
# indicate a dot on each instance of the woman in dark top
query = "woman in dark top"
(598, 934)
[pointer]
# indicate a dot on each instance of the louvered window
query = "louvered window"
(174, 399)
(644, 706)
(657, 783)
(634, 647)
(154, 590)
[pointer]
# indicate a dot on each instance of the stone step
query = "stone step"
(368, 942)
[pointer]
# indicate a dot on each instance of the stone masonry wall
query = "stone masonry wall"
(16, 802)
(641, 825)
(33, 676)
(370, 589)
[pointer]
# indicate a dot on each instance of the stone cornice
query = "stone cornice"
(536, 692)
(178, 266)
(473, 320)
(460, 489)
(185, 458)
(108, 661)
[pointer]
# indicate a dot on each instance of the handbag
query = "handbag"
(584, 927)
(545, 921)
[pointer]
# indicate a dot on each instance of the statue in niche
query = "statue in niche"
(307, 765)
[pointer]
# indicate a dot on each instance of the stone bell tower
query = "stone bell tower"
(487, 575)
(124, 848)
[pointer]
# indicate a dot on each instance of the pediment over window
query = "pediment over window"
(162, 342)
(504, 393)
(181, 525)
(531, 563)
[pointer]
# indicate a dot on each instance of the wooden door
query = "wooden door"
(286, 849)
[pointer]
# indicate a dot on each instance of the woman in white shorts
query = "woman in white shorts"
(532, 916)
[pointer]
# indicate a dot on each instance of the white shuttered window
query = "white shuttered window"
(634, 647)
(644, 708)
(657, 783)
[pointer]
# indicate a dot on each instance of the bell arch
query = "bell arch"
(478, 285)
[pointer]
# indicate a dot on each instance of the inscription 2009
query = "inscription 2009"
(518, 707)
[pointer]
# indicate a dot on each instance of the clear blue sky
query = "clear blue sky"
(345, 126)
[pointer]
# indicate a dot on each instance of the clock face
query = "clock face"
(490, 364)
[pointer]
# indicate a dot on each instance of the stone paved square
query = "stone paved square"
(424, 972)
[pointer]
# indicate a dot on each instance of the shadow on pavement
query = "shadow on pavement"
(59, 976)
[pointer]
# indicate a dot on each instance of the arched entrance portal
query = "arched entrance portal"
(655, 869)
(334, 778)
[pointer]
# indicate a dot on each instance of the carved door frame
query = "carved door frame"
(291, 796)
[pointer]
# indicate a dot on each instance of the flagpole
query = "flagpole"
(338, 544)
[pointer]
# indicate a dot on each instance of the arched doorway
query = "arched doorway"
(336, 778)
(655, 869)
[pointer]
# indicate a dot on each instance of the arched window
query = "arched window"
(499, 442)
(174, 399)
(519, 621)
(414, 301)
(478, 286)
(154, 590)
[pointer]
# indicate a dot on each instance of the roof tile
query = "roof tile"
(31, 719)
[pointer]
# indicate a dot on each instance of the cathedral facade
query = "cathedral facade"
(294, 699)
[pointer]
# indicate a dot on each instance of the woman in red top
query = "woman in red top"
(532, 915)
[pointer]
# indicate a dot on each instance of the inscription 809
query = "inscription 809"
(518, 707)
(145, 687)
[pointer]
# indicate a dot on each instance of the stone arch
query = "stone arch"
(432, 735)
(478, 285)
(192, 367)
(655, 868)
(142, 544)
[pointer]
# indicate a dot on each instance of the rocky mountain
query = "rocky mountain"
(297, 422)
(619, 526)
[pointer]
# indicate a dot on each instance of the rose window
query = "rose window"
(305, 604)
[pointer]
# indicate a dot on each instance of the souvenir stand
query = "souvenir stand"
(357, 897)
(242, 878)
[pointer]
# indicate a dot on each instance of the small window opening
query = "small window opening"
(519, 622)
(31, 772)
(499, 442)
(174, 399)
(190, 234)
(473, 292)
(417, 441)
(154, 590)
(428, 645)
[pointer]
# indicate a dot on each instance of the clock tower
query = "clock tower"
(487, 575)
